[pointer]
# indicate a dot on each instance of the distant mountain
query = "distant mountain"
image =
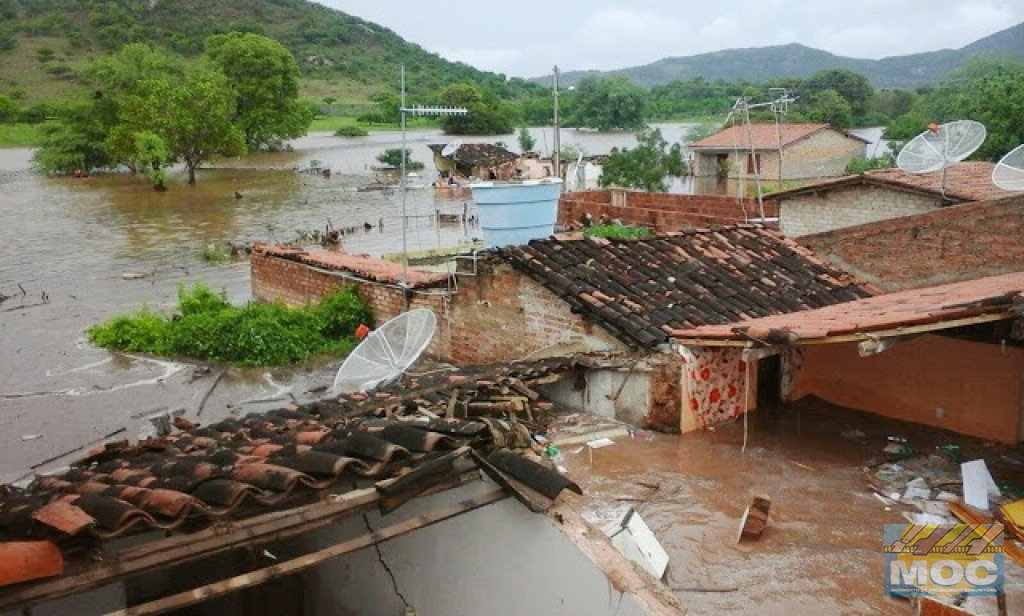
(757, 64)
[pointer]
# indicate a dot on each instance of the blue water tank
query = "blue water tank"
(515, 212)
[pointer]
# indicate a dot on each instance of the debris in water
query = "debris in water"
(755, 519)
(31, 437)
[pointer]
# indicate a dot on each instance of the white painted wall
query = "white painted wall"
(613, 394)
(501, 560)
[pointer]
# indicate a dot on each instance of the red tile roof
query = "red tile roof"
(242, 466)
(762, 136)
(362, 265)
(641, 289)
(994, 295)
(965, 181)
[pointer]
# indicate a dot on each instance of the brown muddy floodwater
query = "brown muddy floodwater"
(68, 243)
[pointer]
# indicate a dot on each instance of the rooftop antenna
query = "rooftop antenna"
(386, 352)
(419, 111)
(940, 146)
(1009, 171)
(780, 107)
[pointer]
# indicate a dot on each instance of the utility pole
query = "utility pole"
(558, 145)
(424, 111)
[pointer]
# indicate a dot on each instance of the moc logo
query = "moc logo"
(943, 559)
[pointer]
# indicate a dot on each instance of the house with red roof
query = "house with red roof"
(776, 152)
(881, 194)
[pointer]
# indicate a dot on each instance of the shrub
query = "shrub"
(208, 327)
(351, 130)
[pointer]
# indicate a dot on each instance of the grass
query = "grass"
(20, 135)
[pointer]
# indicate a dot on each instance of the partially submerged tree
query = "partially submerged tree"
(191, 117)
(526, 140)
(487, 114)
(646, 166)
(392, 157)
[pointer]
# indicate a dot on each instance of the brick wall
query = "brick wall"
(275, 279)
(660, 211)
(496, 314)
(954, 243)
(499, 314)
(849, 207)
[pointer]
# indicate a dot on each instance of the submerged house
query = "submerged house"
(484, 161)
(336, 506)
(881, 194)
(776, 152)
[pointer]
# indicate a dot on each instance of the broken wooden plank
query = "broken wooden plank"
(278, 570)
(970, 515)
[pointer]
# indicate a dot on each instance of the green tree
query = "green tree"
(526, 140)
(854, 88)
(486, 113)
(77, 141)
(989, 90)
(192, 117)
(646, 166)
(829, 106)
(609, 104)
(392, 157)
(264, 78)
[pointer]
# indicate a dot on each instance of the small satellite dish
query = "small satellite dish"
(386, 352)
(940, 146)
(450, 149)
(1009, 171)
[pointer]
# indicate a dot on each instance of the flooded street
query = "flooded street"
(822, 550)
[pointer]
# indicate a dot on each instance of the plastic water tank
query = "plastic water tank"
(515, 212)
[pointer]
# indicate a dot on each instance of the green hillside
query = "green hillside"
(44, 44)
(758, 64)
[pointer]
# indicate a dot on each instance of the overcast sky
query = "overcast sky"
(526, 38)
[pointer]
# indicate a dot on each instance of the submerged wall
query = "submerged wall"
(967, 387)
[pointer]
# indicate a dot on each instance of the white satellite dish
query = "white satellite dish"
(387, 352)
(1009, 171)
(940, 146)
(451, 148)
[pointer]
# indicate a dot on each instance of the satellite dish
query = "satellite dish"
(940, 146)
(1009, 171)
(386, 352)
(449, 149)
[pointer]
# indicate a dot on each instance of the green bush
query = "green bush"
(617, 231)
(208, 327)
(351, 130)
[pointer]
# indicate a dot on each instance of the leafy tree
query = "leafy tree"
(526, 140)
(829, 106)
(77, 141)
(264, 78)
(486, 113)
(852, 87)
(392, 157)
(192, 117)
(646, 166)
(609, 104)
(989, 90)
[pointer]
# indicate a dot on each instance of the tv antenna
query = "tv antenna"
(386, 352)
(779, 107)
(941, 146)
(418, 111)
(1009, 171)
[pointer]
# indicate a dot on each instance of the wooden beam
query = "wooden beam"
(861, 336)
(220, 537)
(289, 567)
